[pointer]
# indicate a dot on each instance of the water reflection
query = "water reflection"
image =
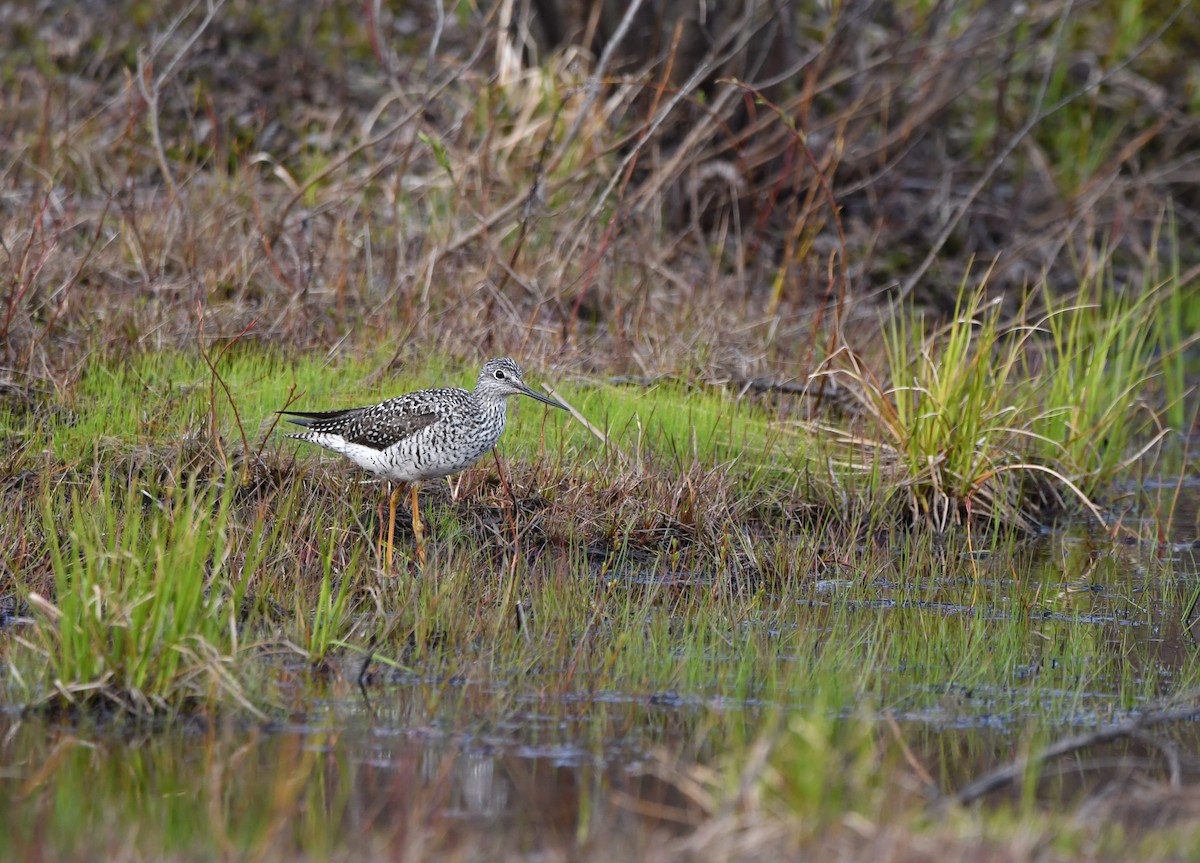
(303, 788)
(427, 764)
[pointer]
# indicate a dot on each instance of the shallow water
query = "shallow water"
(418, 761)
(350, 775)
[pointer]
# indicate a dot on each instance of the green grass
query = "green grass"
(1102, 356)
(170, 553)
(1000, 424)
(144, 610)
(168, 398)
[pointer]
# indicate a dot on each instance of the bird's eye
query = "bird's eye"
(499, 374)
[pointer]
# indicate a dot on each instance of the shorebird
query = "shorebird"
(421, 435)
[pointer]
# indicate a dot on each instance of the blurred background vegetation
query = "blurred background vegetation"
(722, 190)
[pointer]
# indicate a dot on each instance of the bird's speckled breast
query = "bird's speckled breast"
(455, 442)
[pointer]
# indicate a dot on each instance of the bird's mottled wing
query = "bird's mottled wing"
(379, 428)
(387, 423)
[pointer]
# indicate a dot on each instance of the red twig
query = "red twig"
(802, 143)
(217, 379)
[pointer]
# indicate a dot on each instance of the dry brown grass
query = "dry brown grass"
(304, 174)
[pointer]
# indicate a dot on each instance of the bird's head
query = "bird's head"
(502, 377)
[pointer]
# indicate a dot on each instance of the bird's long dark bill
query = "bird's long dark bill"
(544, 399)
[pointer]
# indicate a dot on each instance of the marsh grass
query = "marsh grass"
(215, 214)
(1105, 350)
(140, 618)
(789, 686)
(322, 623)
(658, 549)
(682, 545)
(1003, 423)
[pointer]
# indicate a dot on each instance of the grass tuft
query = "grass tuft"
(144, 612)
(1002, 424)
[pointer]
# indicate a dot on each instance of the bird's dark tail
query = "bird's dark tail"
(308, 418)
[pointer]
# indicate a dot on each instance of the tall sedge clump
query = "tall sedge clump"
(943, 427)
(143, 616)
(967, 439)
(1177, 331)
(953, 414)
(1101, 357)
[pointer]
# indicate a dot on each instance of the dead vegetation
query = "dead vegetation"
(309, 172)
(642, 197)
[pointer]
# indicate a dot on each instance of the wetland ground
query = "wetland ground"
(877, 485)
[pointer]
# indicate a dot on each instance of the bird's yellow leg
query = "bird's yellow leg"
(418, 528)
(395, 496)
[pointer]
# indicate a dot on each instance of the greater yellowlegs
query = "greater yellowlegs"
(421, 435)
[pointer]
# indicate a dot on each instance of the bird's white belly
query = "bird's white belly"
(414, 459)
